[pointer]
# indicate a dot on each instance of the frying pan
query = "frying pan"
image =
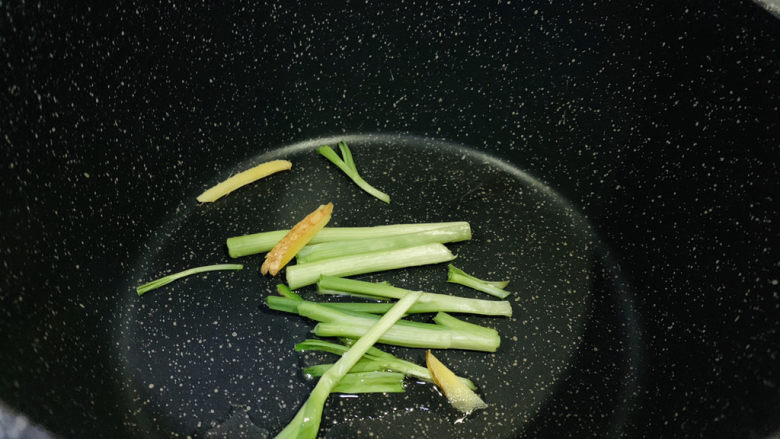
(617, 162)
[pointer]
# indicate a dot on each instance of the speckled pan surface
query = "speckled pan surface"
(658, 123)
(213, 337)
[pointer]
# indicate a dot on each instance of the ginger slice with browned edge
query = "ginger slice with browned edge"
(296, 239)
(242, 179)
(457, 392)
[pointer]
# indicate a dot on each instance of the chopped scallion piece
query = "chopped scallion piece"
(327, 250)
(429, 302)
(347, 164)
(285, 291)
(306, 423)
(373, 360)
(255, 243)
(301, 275)
(446, 334)
(458, 276)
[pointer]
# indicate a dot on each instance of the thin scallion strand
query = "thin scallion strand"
(347, 164)
(255, 243)
(306, 422)
(172, 277)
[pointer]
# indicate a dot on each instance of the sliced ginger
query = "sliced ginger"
(242, 179)
(457, 392)
(296, 239)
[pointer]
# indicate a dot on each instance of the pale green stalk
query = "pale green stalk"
(327, 250)
(374, 360)
(339, 323)
(264, 241)
(306, 423)
(300, 275)
(428, 301)
(430, 337)
(371, 381)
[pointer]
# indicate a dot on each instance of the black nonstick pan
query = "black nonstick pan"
(202, 337)
(617, 162)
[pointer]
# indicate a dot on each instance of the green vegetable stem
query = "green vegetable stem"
(347, 164)
(172, 277)
(306, 422)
